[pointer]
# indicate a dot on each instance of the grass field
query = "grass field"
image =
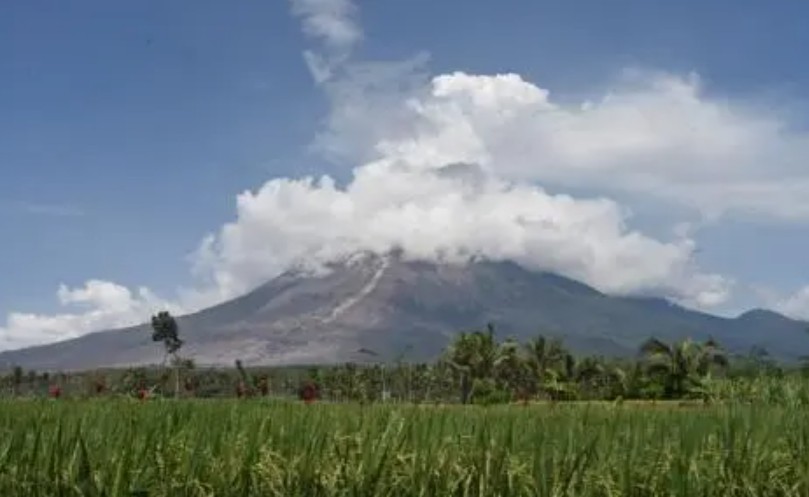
(229, 448)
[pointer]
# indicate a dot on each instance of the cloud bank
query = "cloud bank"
(460, 164)
(794, 305)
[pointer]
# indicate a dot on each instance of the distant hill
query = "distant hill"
(393, 306)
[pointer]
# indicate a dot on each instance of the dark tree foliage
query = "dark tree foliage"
(477, 367)
(165, 329)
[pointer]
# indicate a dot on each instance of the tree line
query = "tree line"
(476, 367)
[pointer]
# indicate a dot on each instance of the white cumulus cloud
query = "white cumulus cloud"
(97, 305)
(448, 213)
(651, 133)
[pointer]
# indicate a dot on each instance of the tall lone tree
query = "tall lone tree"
(17, 380)
(165, 329)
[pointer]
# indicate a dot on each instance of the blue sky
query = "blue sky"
(128, 128)
(147, 117)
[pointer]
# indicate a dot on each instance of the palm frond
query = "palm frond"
(653, 346)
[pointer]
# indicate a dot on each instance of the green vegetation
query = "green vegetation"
(475, 368)
(681, 419)
(235, 448)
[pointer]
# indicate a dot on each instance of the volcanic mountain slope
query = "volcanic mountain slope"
(390, 305)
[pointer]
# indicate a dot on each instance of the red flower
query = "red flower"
(143, 394)
(55, 391)
(308, 393)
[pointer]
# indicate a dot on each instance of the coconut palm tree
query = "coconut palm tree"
(546, 359)
(461, 357)
(474, 356)
(511, 367)
(682, 367)
(590, 375)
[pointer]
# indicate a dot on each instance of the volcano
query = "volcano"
(371, 307)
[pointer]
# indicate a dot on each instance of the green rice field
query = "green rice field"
(113, 447)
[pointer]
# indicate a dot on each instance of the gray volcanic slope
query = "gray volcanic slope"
(390, 305)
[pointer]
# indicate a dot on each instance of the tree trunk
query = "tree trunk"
(409, 384)
(176, 378)
(466, 388)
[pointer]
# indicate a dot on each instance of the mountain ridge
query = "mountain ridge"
(389, 304)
